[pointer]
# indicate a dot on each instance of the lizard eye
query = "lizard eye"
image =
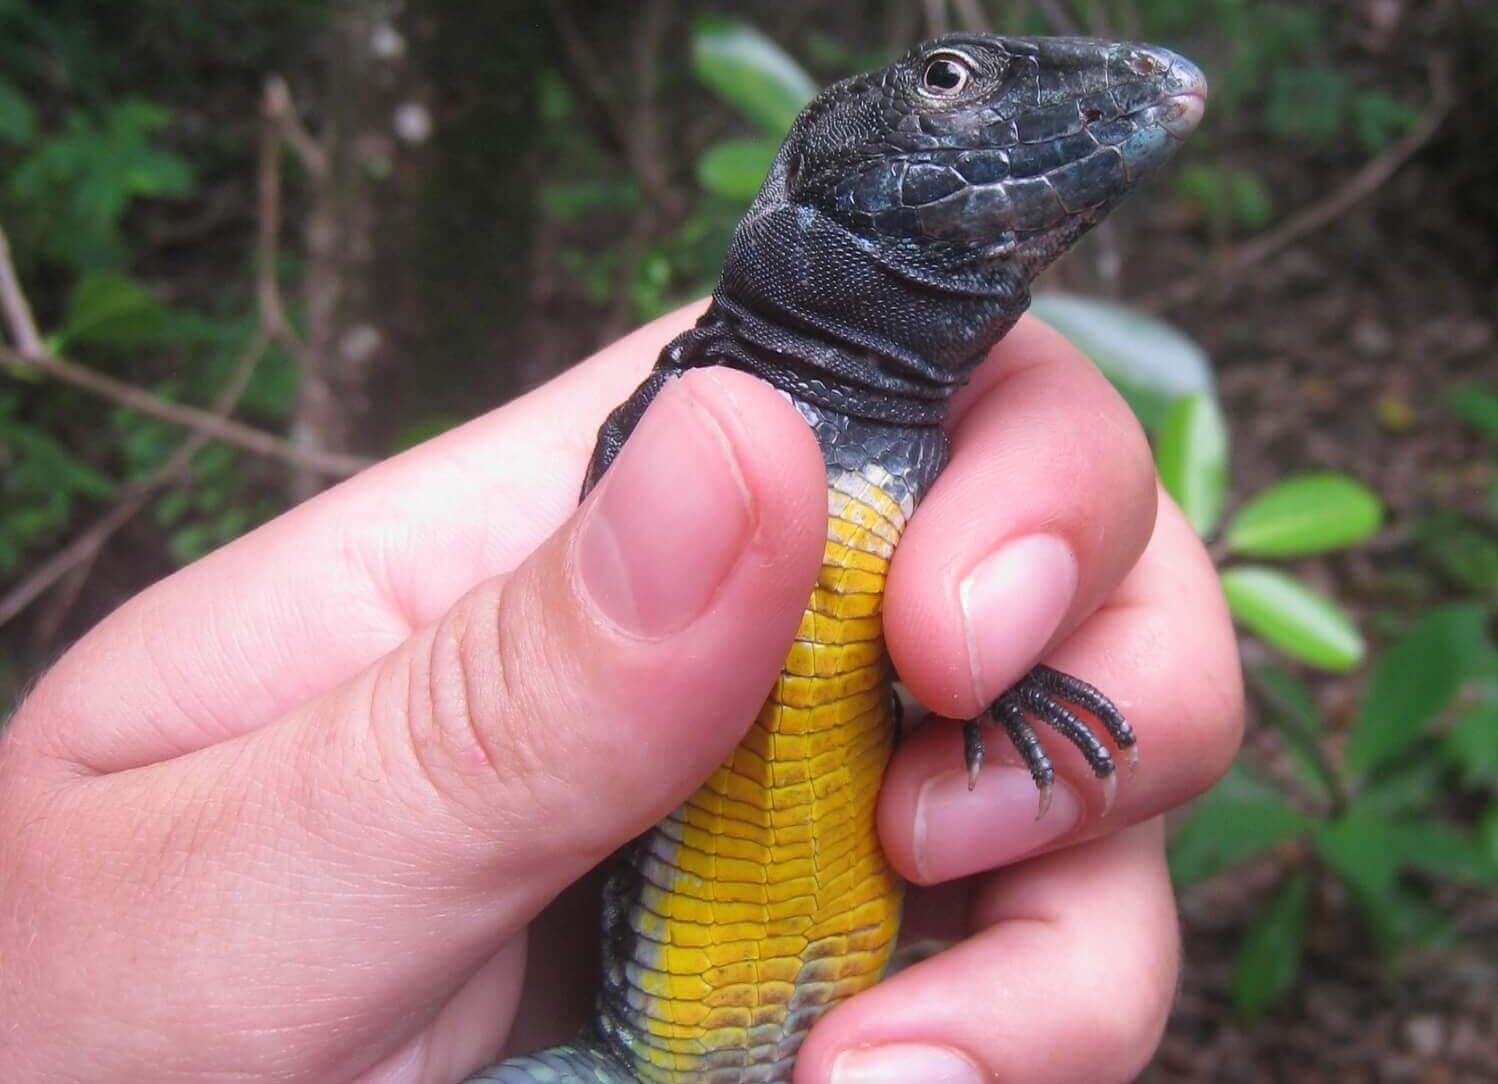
(946, 74)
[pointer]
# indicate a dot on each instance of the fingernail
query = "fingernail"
(1012, 604)
(905, 1063)
(672, 517)
(959, 832)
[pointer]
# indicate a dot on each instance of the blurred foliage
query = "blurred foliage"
(83, 145)
(103, 123)
(1381, 816)
(1373, 820)
(1166, 378)
(77, 181)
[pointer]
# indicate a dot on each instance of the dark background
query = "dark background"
(347, 225)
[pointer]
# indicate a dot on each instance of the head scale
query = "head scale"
(909, 208)
(975, 146)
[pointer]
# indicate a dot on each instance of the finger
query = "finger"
(306, 601)
(1163, 648)
(1047, 502)
(460, 782)
(460, 1038)
(1067, 979)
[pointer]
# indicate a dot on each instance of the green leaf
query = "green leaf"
(416, 430)
(1472, 744)
(1487, 833)
(17, 116)
(1465, 552)
(1403, 789)
(1307, 103)
(1249, 201)
(553, 97)
(751, 72)
(190, 543)
(110, 309)
(1442, 850)
(1290, 616)
(79, 181)
(1269, 958)
(1359, 852)
(1242, 817)
(1313, 513)
(1399, 917)
(1380, 118)
(1227, 198)
(1413, 681)
(735, 168)
(1477, 407)
(1151, 362)
(173, 507)
(1191, 452)
(568, 202)
(1365, 854)
(1291, 711)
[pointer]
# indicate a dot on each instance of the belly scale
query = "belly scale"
(765, 898)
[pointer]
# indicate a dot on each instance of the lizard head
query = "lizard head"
(908, 210)
(978, 156)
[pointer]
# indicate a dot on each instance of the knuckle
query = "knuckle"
(1125, 1028)
(477, 721)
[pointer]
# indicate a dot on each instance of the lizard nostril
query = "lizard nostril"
(1091, 116)
(1145, 64)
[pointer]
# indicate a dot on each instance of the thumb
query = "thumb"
(567, 707)
(358, 857)
(557, 712)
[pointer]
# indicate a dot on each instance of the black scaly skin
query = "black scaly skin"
(892, 244)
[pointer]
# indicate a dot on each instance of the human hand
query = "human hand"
(287, 815)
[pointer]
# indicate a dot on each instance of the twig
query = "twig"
(281, 111)
(18, 316)
(29, 352)
(646, 150)
(587, 72)
(72, 562)
(246, 437)
(278, 123)
(1353, 191)
(85, 546)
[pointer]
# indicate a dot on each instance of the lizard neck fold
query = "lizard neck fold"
(813, 367)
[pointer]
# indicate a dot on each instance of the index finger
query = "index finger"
(301, 604)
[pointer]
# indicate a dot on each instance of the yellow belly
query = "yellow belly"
(766, 899)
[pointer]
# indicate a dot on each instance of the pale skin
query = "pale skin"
(288, 814)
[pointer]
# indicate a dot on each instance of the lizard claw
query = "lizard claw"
(1110, 792)
(1043, 694)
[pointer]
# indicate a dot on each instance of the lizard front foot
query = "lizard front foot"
(1045, 694)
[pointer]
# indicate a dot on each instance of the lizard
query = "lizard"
(891, 245)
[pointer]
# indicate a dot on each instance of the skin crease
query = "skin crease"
(286, 815)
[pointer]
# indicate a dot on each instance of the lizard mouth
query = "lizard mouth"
(1183, 113)
(1186, 99)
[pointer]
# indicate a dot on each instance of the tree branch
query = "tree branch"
(30, 353)
(280, 110)
(18, 318)
(278, 124)
(245, 437)
(598, 98)
(85, 546)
